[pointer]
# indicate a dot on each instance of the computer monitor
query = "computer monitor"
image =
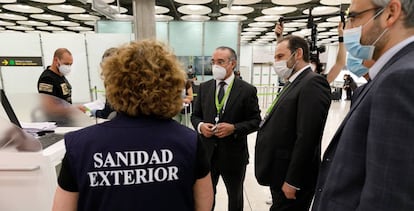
(8, 109)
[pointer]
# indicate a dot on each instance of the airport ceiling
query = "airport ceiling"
(258, 17)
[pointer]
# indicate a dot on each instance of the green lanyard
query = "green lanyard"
(275, 100)
(219, 105)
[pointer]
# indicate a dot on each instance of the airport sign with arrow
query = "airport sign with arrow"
(20, 61)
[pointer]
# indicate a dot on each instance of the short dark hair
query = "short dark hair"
(60, 51)
(295, 42)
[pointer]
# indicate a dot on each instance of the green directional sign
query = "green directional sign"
(20, 61)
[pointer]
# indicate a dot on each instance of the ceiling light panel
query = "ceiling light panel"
(335, 2)
(245, 2)
(232, 18)
(279, 10)
(290, 2)
(295, 24)
(261, 24)
(32, 23)
(195, 18)
(90, 23)
(9, 16)
(11, 31)
(322, 10)
(50, 28)
(290, 29)
(21, 28)
(327, 24)
(64, 23)
(22, 8)
(6, 23)
(255, 29)
(267, 18)
(237, 10)
(336, 19)
(194, 9)
(64, 32)
(163, 18)
(161, 10)
(79, 28)
(268, 37)
(49, 1)
(84, 17)
(66, 8)
(250, 33)
(193, 1)
(47, 17)
(36, 31)
(327, 33)
(306, 20)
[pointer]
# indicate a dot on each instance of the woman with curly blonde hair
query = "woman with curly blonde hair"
(141, 159)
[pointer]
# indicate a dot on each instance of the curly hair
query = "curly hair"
(144, 78)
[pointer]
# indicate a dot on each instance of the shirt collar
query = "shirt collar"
(228, 80)
(295, 75)
(374, 70)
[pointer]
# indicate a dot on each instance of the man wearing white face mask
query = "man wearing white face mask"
(368, 164)
(52, 81)
(225, 112)
(287, 153)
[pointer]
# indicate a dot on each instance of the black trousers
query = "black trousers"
(281, 203)
(233, 178)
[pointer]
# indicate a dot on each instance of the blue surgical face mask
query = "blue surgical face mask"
(352, 41)
(355, 66)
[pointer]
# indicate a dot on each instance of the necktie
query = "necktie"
(221, 91)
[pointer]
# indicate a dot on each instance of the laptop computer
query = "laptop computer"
(46, 139)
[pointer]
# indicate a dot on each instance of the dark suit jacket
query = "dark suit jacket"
(288, 143)
(241, 109)
(369, 164)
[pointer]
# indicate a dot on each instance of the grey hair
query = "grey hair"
(233, 55)
(407, 8)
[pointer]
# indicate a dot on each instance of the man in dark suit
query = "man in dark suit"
(369, 164)
(288, 142)
(224, 114)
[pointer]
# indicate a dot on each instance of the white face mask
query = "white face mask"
(281, 68)
(64, 69)
(219, 72)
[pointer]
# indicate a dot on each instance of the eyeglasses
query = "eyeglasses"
(220, 62)
(353, 15)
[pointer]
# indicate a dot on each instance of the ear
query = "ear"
(233, 64)
(393, 12)
(299, 53)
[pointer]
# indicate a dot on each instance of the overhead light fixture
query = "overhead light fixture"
(228, 2)
(103, 8)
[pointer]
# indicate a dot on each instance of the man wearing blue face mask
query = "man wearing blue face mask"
(287, 153)
(225, 112)
(368, 164)
(53, 81)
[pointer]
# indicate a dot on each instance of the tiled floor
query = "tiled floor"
(255, 196)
